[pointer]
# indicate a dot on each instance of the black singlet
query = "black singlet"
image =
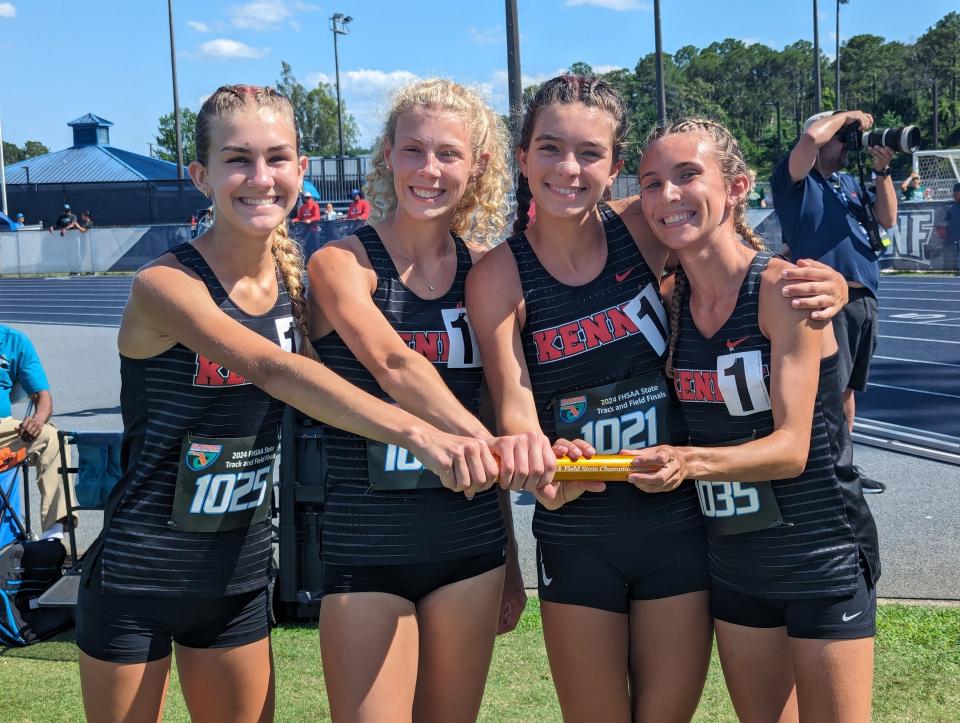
(366, 526)
(165, 399)
(579, 337)
(723, 386)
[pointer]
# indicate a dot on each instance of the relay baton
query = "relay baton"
(602, 467)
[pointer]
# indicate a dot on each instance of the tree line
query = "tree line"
(762, 94)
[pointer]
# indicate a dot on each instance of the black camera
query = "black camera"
(903, 140)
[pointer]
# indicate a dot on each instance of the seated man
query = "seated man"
(20, 365)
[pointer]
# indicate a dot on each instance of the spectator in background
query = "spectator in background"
(329, 213)
(86, 220)
(757, 197)
(359, 208)
(67, 221)
(20, 367)
(18, 222)
(912, 188)
(309, 210)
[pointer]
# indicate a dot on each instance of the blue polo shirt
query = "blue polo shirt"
(19, 364)
(817, 224)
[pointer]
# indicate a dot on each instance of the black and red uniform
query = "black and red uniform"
(185, 552)
(595, 355)
(798, 552)
(388, 525)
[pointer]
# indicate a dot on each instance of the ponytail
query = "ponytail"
(289, 260)
(524, 196)
(680, 288)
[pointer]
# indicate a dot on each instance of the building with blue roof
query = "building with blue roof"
(91, 159)
(116, 185)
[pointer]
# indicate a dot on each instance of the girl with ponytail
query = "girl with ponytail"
(208, 357)
(791, 548)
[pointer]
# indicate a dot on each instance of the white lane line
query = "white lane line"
(915, 391)
(916, 361)
(916, 298)
(922, 323)
(913, 338)
(70, 313)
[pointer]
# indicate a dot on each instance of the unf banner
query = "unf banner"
(920, 239)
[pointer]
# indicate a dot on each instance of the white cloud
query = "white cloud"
(260, 14)
(198, 26)
(487, 36)
(611, 4)
(601, 69)
(8, 10)
(375, 81)
(225, 49)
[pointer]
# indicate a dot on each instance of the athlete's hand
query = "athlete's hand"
(526, 461)
(514, 597)
(463, 464)
(668, 464)
(569, 490)
(817, 287)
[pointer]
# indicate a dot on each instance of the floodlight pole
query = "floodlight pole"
(818, 99)
(339, 25)
(837, 64)
(3, 174)
(176, 96)
(514, 82)
(661, 91)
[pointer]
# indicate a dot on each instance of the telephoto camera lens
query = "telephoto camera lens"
(902, 140)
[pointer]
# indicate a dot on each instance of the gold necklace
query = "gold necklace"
(443, 265)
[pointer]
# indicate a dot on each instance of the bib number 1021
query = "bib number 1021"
(634, 430)
(727, 499)
(217, 494)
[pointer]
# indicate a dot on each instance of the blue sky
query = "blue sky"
(64, 58)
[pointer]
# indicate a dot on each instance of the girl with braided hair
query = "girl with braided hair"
(206, 364)
(791, 548)
(574, 335)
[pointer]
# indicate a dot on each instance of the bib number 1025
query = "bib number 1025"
(217, 494)
(634, 430)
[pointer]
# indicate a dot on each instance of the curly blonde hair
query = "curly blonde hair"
(482, 212)
(287, 255)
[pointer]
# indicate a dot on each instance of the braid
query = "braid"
(743, 228)
(680, 288)
(729, 156)
(289, 260)
(524, 196)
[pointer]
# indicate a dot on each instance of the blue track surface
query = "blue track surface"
(914, 380)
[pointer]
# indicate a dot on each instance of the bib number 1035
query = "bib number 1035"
(727, 499)
(634, 430)
(217, 494)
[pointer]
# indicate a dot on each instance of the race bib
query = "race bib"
(741, 382)
(390, 467)
(732, 508)
(629, 414)
(223, 484)
(464, 351)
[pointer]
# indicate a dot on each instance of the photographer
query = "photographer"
(822, 214)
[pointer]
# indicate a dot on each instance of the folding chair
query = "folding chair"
(97, 471)
(14, 504)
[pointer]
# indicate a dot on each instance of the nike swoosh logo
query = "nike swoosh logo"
(543, 568)
(622, 275)
(847, 618)
(731, 345)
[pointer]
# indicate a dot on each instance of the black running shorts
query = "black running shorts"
(609, 576)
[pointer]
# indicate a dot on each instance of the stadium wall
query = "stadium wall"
(918, 243)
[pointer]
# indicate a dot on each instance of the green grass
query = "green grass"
(917, 675)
